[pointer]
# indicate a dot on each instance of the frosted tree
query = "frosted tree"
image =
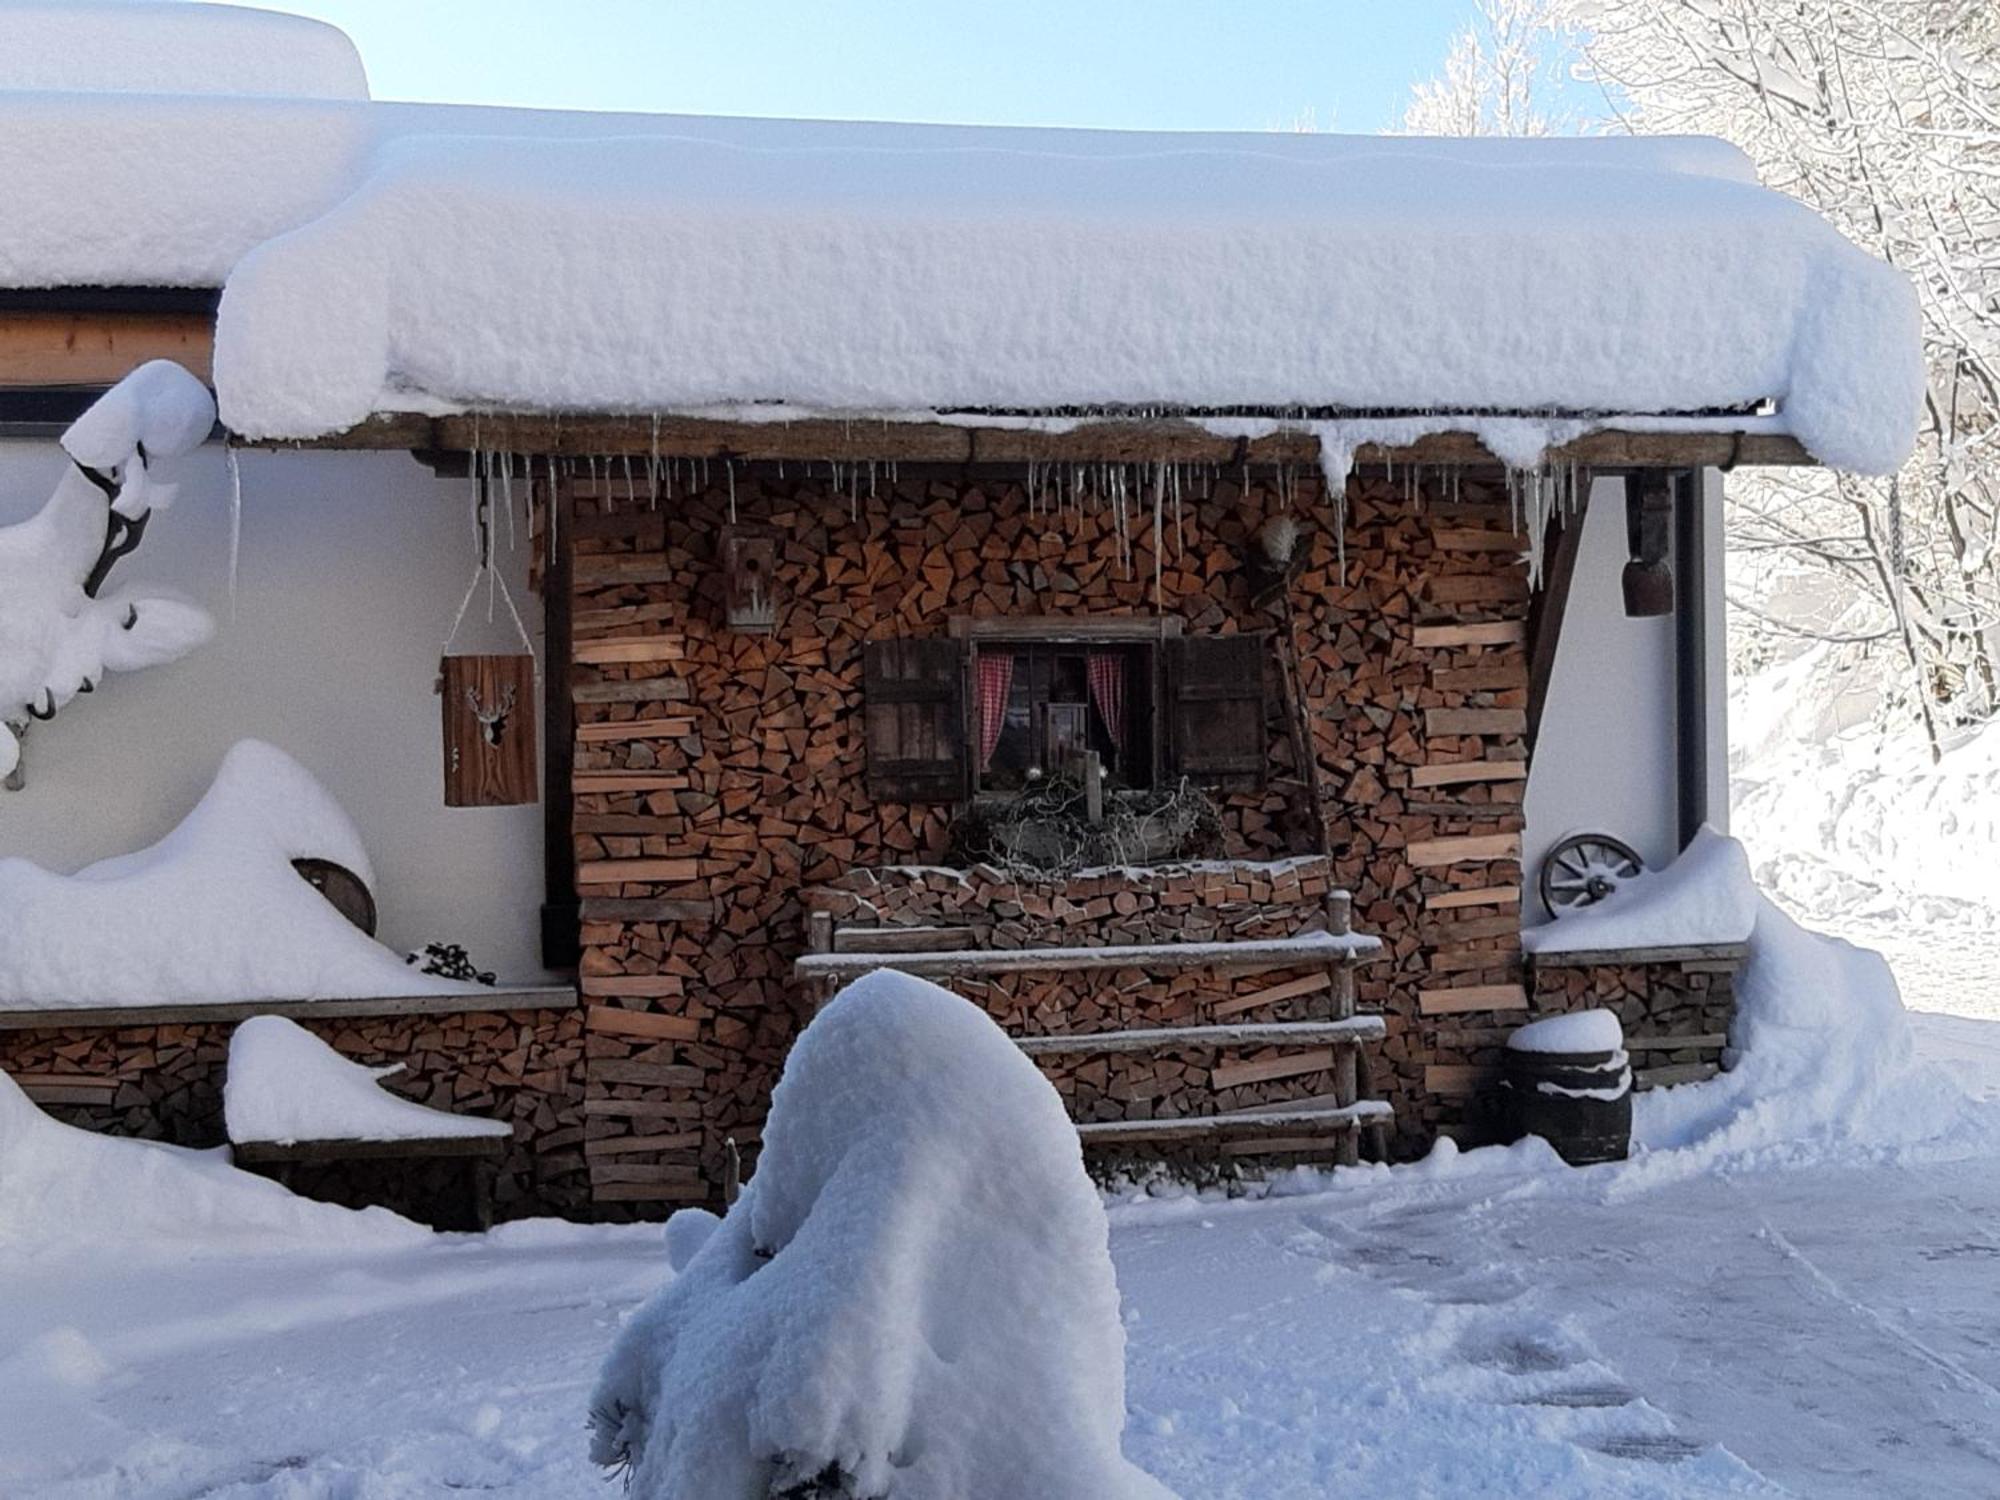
(1506, 73)
(59, 631)
(1884, 115)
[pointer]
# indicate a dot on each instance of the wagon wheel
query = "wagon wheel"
(1585, 868)
(343, 888)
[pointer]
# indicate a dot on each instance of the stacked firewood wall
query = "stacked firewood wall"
(719, 772)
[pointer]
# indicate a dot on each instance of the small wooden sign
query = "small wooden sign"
(489, 730)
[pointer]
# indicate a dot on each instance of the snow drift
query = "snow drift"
(681, 272)
(915, 1290)
(284, 1084)
(1823, 1053)
(57, 637)
(212, 912)
(60, 1186)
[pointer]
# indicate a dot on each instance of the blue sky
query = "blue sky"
(1158, 64)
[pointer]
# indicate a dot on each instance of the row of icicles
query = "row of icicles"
(1057, 491)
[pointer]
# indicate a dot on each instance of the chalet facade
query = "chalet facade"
(1317, 692)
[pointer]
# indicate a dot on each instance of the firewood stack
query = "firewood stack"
(719, 772)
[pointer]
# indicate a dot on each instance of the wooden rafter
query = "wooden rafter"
(864, 440)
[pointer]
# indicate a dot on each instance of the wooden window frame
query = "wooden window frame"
(1061, 630)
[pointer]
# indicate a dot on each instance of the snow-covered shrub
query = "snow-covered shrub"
(213, 911)
(913, 1299)
(58, 634)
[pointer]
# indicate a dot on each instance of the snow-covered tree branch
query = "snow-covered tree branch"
(1884, 115)
(59, 633)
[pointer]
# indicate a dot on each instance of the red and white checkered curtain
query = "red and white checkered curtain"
(1106, 670)
(996, 681)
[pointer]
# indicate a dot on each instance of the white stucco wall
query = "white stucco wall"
(351, 567)
(1605, 757)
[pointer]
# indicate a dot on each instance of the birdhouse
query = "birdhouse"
(489, 730)
(749, 565)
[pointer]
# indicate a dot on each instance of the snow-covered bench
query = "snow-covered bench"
(290, 1100)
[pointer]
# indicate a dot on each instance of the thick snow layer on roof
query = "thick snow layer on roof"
(915, 1288)
(120, 46)
(380, 256)
(163, 190)
(679, 272)
(1705, 896)
(212, 912)
(61, 1186)
(284, 1084)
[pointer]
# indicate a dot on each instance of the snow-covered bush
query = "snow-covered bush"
(214, 911)
(59, 634)
(913, 1299)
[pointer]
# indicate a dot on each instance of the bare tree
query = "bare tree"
(1884, 116)
(1505, 74)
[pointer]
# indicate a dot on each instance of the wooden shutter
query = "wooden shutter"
(914, 706)
(1215, 709)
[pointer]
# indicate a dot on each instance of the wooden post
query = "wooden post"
(1090, 770)
(1346, 1060)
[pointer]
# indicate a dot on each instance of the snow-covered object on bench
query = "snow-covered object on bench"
(915, 1288)
(1579, 1031)
(61, 1186)
(1704, 897)
(212, 912)
(284, 1085)
(675, 272)
(55, 639)
(114, 46)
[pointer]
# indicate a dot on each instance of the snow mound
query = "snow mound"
(1705, 896)
(1580, 1031)
(284, 1084)
(1826, 1063)
(125, 46)
(56, 639)
(915, 1289)
(212, 912)
(1004, 270)
(64, 1187)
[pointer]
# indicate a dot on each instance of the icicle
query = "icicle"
(631, 481)
(1159, 536)
(729, 472)
(653, 467)
(235, 522)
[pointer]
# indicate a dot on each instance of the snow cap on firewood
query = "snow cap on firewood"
(914, 1292)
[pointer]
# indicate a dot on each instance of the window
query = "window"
(983, 710)
(1038, 706)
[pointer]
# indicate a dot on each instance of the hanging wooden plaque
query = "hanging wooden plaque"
(489, 730)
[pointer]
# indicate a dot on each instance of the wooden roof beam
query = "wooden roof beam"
(864, 440)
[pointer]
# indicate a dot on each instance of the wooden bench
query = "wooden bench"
(840, 953)
(479, 1153)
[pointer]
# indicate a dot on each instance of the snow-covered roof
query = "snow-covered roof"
(532, 260)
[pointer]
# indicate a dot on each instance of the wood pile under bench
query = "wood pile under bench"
(1311, 1046)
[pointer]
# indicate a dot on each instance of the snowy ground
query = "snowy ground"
(1853, 828)
(1491, 1327)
